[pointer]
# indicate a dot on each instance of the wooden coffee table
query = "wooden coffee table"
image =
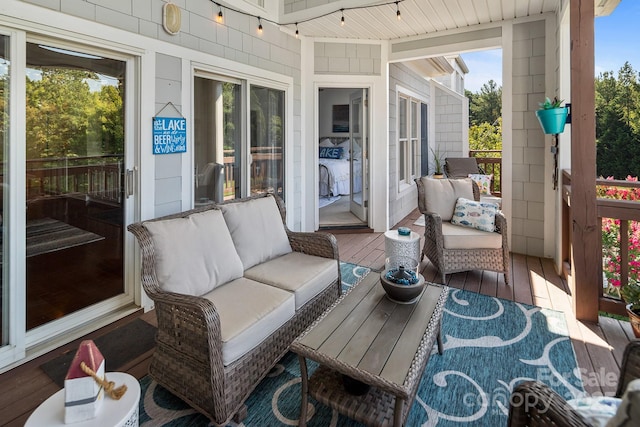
(373, 340)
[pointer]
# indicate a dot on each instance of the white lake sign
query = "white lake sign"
(169, 135)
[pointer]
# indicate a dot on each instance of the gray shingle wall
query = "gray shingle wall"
(527, 224)
(401, 204)
(448, 124)
(347, 58)
(236, 40)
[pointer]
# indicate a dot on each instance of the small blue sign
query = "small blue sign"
(169, 135)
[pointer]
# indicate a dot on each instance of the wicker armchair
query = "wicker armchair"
(187, 359)
(454, 259)
(539, 405)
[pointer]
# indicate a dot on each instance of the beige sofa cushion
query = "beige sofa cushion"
(194, 254)
(257, 230)
(249, 312)
(457, 237)
(304, 275)
(442, 194)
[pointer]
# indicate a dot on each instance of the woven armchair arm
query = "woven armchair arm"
(318, 244)
(533, 403)
(630, 369)
(501, 223)
(433, 228)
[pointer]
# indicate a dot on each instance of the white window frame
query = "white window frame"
(409, 162)
(246, 80)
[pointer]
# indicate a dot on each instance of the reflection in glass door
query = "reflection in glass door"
(74, 181)
(217, 139)
(267, 140)
(359, 153)
(4, 196)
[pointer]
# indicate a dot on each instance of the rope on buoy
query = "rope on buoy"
(109, 386)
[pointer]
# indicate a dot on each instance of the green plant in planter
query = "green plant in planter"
(549, 104)
(631, 295)
(437, 161)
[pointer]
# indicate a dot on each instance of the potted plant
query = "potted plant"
(437, 163)
(631, 295)
(552, 116)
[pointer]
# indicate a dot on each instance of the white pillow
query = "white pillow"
(483, 181)
(628, 413)
(442, 194)
(257, 230)
(325, 142)
(596, 410)
(194, 254)
(478, 215)
(346, 149)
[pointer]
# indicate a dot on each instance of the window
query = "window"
(241, 145)
(409, 131)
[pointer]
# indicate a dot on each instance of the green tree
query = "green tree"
(617, 102)
(486, 105)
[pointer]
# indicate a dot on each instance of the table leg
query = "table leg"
(397, 412)
(302, 422)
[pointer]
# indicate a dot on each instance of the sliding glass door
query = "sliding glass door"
(4, 195)
(217, 139)
(239, 138)
(75, 109)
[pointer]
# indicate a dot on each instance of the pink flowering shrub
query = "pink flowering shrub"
(611, 240)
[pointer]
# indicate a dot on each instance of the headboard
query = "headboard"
(335, 140)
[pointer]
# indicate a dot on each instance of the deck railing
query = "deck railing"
(625, 214)
(98, 177)
(266, 165)
(491, 163)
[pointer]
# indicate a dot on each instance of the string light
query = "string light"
(220, 17)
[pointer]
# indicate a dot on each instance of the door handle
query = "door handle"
(129, 182)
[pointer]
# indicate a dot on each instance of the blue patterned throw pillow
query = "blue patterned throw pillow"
(330, 152)
(478, 215)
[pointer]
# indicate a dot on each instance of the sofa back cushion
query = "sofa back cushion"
(257, 230)
(194, 254)
(441, 194)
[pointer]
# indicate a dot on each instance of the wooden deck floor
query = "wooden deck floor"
(534, 281)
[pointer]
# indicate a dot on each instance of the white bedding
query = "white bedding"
(334, 177)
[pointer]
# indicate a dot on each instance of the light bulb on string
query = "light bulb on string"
(259, 25)
(297, 33)
(220, 17)
(398, 11)
(342, 19)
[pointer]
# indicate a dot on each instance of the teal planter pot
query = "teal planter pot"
(553, 119)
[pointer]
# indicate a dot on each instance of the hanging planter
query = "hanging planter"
(553, 120)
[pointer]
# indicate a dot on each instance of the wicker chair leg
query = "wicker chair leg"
(506, 278)
(241, 414)
(443, 278)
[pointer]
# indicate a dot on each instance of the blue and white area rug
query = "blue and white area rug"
(490, 345)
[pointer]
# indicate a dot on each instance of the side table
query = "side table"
(396, 245)
(116, 413)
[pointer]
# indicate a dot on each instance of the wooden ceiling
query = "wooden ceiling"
(418, 17)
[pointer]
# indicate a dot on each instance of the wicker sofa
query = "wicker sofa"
(232, 288)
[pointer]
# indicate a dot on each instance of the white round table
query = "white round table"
(116, 413)
(396, 245)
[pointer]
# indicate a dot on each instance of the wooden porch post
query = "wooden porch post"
(585, 235)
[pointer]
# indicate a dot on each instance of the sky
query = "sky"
(617, 40)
